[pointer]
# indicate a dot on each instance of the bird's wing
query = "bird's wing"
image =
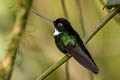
(75, 51)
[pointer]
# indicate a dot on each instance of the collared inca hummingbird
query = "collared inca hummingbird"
(69, 42)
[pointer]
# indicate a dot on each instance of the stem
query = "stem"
(78, 2)
(64, 8)
(54, 67)
(67, 63)
(67, 70)
(86, 40)
(6, 67)
(91, 76)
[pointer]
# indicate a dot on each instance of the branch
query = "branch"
(101, 24)
(86, 40)
(53, 67)
(6, 67)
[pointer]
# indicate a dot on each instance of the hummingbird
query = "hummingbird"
(69, 42)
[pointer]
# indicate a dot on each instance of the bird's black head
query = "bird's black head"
(62, 25)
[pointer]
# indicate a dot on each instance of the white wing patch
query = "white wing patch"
(57, 32)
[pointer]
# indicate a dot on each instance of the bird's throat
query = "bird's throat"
(56, 32)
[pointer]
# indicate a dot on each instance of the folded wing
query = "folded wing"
(84, 59)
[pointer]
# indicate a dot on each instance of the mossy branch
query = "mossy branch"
(86, 40)
(6, 67)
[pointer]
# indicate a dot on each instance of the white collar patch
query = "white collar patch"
(57, 32)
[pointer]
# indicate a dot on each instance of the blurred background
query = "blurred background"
(37, 50)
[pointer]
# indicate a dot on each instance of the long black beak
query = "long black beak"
(50, 20)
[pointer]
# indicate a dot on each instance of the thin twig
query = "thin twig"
(64, 8)
(78, 2)
(91, 76)
(6, 67)
(67, 70)
(81, 17)
(54, 67)
(67, 63)
(87, 38)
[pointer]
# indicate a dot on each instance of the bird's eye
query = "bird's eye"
(60, 24)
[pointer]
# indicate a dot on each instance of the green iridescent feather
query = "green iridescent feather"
(66, 39)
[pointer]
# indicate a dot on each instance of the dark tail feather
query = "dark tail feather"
(82, 58)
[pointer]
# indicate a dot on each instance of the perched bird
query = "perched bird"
(69, 42)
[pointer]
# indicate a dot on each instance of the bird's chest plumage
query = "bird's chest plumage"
(57, 36)
(62, 40)
(59, 43)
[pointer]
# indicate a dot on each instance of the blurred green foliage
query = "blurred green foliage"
(37, 48)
